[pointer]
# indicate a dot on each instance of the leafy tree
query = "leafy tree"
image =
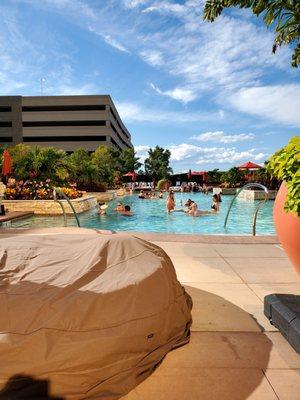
(21, 160)
(82, 170)
(233, 176)
(105, 164)
(128, 161)
(50, 163)
(39, 162)
(214, 176)
(157, 163)
(284, 15)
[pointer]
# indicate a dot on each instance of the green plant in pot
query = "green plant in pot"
(285, 166)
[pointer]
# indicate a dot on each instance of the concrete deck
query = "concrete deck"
(234, 353)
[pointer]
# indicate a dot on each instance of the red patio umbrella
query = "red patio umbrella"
(249, 165)
(132, 175)
(6, 163)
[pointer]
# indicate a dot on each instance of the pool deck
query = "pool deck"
(234, 353)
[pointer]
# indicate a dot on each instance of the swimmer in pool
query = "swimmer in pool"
(170, 202)
(120, 207)
(127, 211)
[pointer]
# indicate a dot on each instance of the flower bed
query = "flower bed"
(36, 190)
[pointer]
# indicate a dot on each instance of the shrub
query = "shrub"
(285, 166)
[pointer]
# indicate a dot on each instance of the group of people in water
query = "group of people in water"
(120, 209)
(191, 207)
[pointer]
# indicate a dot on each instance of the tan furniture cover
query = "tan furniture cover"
(91, 315)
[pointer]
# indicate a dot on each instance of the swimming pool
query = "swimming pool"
(151, 216)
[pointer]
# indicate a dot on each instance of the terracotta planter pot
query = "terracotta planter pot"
(288, 228)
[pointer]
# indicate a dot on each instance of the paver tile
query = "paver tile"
(250, 250)
(212, 312)
(204, 270)
(264, 270)
(188, 249)
(286, 383)
(204, 384)
(231, 305)
(263, 289)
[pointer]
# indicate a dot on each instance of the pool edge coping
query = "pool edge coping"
(152, 236)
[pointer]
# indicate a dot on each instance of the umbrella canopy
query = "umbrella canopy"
(199, 173)
(249, 165)
(6, 163)
(132, 175)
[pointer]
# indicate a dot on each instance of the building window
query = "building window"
(5, 124)
(7, 139)
(63, 123)
(5, 109)
(117, 121)
(64, 108)
(64, 138)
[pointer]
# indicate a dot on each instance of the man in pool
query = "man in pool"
(127, 211)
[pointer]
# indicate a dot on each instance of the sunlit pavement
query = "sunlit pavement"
(234, 353)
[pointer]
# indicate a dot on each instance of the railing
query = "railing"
(260, 204)
(57, 191)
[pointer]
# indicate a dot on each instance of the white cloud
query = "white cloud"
(134, 3)
(166, 7)
(182, 94)
(220, 136)
(114, 43)
(279, 103)
(184, 155)
(152, 57)
(213, 155)
(142, 152)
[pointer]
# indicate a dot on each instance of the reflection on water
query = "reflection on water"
(151, 216)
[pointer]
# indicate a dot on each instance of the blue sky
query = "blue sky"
(212, 93)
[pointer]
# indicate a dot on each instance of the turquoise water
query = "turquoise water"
(151, 216)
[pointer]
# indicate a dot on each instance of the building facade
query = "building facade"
(65, 122)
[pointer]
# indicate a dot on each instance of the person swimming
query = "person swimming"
(216, 203)
(120, 207)
(161, 194)
(170, 202)
(102, 209)
(141, 194)
(127, 211)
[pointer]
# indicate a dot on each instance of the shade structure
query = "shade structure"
(93, 314)
(6, 163)
(132, 175)
(250, 166)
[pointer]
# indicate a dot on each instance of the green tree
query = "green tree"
(233, 176)
(128, 161)
(105, 163)
(157, 164)
(214, 176)
(39, 162)
(283, 15)
(82, 170)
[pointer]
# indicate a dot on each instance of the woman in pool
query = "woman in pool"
(170, 202)
(120, 207)
(141, 194)
(102, 209)
(216, 203)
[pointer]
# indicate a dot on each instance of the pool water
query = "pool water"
(151, 216)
